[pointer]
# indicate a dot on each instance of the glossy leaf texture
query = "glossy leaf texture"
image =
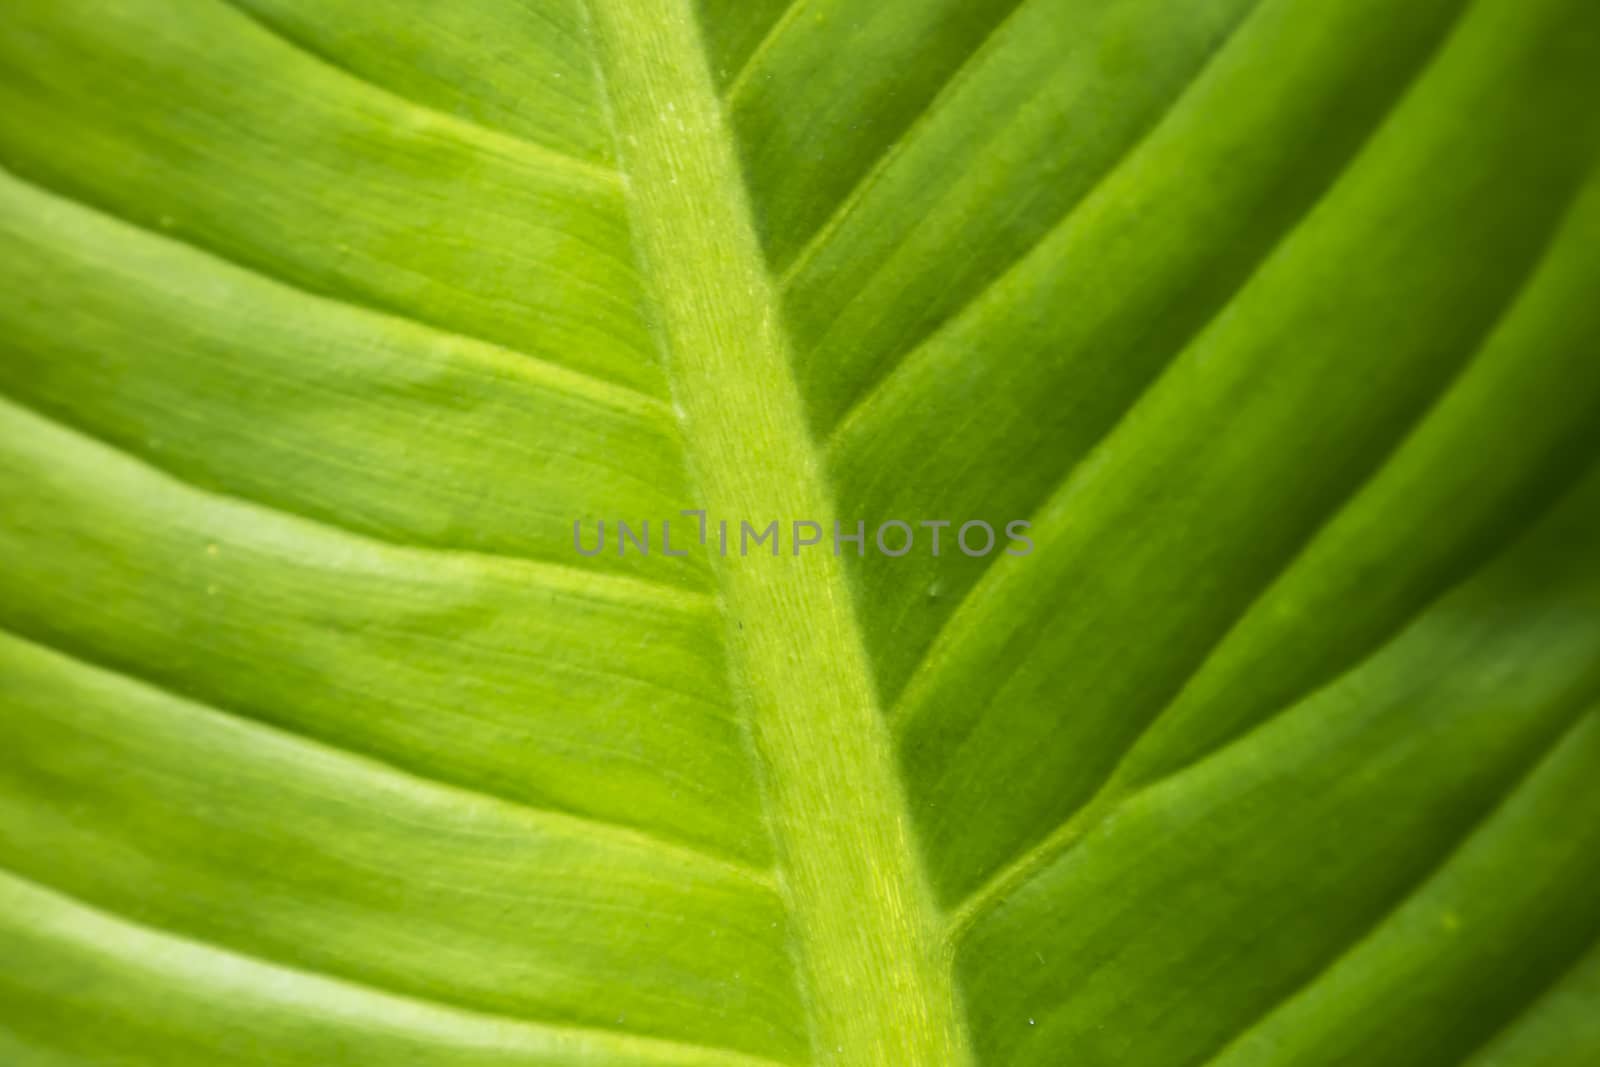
(323, 321)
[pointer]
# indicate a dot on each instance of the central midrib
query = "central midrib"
(868, 933)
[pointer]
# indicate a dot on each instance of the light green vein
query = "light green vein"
(847, 205)
(774, 32)
(868, 936)
(362, 765)
(514, 144)
(554, 376)
(1500, 810)
(198, 968)
(520, 570)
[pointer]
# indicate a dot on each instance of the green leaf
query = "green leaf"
(1271, 740)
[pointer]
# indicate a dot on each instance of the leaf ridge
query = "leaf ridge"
(1116, 790)
(890, 152)
(1119, 787)
(613, 1042)
(408, 777)
(616, 587)
(1579, 716)
(1106, 797)
(572, 380)
(557, 158)
(862, 408)
(768, 39)
(1532, 997)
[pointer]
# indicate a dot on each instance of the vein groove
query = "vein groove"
(410, 778)
(543, 367)
(1532, 996)
(890, 152)
(1047, 849)
(620, 1042)
(619, 588)
(768, 39)
(560, 160)
(1484, 818)
(1269, 248)
(1063, 221)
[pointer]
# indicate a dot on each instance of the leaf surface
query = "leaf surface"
(324, 323)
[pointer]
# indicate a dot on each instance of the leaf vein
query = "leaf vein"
(408, 778)
(892, 151)
(1269, 249)
(578, 382)
(1440, 864)
(555, 157)
(539, 573)
(888, 368)
(1069, 831)
(768, 39)
(622, 1042)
